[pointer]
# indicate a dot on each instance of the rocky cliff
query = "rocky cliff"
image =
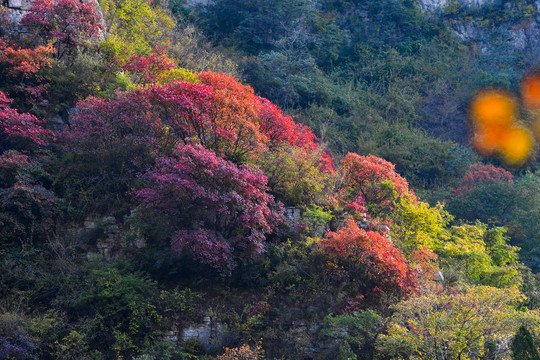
(17, 7)
(433, 5)
(496, 27)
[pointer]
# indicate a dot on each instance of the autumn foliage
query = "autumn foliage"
(19, 131)
(235, 113)
(281, 130)
(369, 259)
(145, 116)
(479, 173)
(454, 324)
(375, 180)
(299, 169)
(159, 206)
(123, 135)
(19, 71)
(144, 70)
(220, 211)
(219, 113)
(244, 352)
(68, 24)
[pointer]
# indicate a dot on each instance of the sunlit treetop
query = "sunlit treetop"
(134, 27)
(376, 180)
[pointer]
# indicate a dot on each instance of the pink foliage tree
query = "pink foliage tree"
(219, 212)
(68, 24)
(19, 130)
(479, 173)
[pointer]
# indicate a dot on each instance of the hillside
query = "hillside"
(294, 179)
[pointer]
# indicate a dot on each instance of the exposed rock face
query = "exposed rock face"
(293, 214)
(522, 36)
(105, 236)
(431, 5)
(213, 336)
(17, 8)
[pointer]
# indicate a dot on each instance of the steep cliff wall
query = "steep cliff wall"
(497, 27)
(17, 7)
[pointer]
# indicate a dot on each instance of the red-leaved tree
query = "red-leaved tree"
(67, 24)
(369, 261)
(375, 180)
(217, 212)
(19, 131)
(114, 139)
(479, 173)
(20, 71)
(235, 112)
(146, 69)
(215, 117)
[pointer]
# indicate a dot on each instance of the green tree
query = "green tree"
(347, 336)
(456, 324)
(522, 345)
(134, 27)
(417, 225)
(479, 255)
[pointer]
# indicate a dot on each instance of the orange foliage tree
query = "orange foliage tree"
(375, 179)
(235, 112)
(19, 72)
(369, 260)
